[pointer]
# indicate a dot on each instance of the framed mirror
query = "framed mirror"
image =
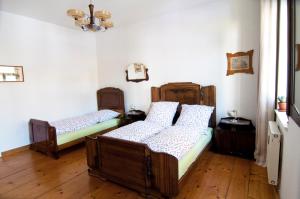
(294, 60)
(137, 72)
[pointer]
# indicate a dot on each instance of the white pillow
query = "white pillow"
(162, 113)
(105, 114)
(195, 116)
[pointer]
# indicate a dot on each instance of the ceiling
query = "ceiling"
(124, 12)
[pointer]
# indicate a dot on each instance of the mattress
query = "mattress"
(187, 160)
(71, 136)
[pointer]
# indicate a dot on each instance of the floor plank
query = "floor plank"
(238, 187)
(68, 190)
(187, 189)
(215, 181)
(258, 184)
(39, 171)
(30, 175)
(20, 162)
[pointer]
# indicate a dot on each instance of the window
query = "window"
(282, 67)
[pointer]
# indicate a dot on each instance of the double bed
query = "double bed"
(52, 137)
(133, 156)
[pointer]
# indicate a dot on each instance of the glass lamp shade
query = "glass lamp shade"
(93, 27)
(102, 14)
(76, 14)
(107, 24)
(82, 21)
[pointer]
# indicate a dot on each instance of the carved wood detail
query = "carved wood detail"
(187, 93)
(111, 98)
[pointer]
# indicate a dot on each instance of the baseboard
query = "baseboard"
(12, 152)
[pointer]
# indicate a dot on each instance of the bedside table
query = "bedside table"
(235, 137)
(132, 116)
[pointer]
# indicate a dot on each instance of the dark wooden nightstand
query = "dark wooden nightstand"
(235, 137)
(132, 116)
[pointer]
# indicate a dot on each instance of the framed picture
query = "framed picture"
(137, 72)
(11, 73)
(240, 62)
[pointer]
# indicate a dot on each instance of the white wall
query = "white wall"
(60, 69)
(290, 171)
(189, 45)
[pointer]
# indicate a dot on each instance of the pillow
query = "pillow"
(195, 116)
(105, 114)
(162, 113)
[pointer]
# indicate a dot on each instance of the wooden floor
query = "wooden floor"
(32, 175)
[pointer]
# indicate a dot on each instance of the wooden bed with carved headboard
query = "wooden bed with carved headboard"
(135, 165)
(43, 136)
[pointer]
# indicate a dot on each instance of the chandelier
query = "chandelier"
(94, 22)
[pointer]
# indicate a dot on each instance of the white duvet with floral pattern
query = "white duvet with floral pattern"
(83, 121)
(136, 132)
(175, 140)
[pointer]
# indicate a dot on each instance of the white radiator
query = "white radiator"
(273, 151)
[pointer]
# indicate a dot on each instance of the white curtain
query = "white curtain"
(266, 77)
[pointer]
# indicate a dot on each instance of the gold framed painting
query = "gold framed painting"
(11, 73)
(240, 62)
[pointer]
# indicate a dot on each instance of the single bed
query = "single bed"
(135, 165)
(46, 138)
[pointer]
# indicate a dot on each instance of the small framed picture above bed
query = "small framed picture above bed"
(240, 62)
(137, 72)
(11, 73)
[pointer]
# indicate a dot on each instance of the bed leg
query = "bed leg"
(54, 155)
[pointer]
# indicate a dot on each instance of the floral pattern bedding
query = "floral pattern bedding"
(175, 140)
(162, 113)
(136, 132)
(80, 122)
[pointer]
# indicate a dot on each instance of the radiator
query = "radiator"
(273, 152)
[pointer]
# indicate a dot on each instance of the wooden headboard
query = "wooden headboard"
(111, 98)
(187, 93)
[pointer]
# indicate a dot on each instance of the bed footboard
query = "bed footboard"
(43, 137)
(132, 165)
(164, 174)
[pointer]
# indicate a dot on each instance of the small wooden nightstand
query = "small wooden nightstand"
(132, 116)
(235, 137)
